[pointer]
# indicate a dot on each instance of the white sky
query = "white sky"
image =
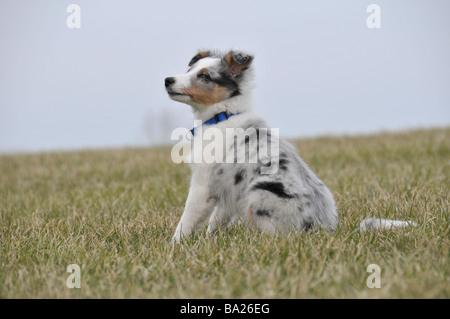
(320, 69)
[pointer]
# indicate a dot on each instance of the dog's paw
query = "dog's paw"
(176, 238)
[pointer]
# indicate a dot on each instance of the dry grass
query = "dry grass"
(113, 213)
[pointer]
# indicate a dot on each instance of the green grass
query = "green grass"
(113, 213)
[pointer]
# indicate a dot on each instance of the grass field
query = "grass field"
(113, 213)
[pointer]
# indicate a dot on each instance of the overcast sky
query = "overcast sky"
(319, 68)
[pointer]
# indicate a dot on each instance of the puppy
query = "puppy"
(275, 192)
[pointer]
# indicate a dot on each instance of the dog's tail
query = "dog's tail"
(379, 224)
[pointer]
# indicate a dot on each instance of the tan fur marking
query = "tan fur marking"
(197, 57)
(206, 97)
(203, 54)
(229, 59)
(235, 67)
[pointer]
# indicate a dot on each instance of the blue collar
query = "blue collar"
(215, 119)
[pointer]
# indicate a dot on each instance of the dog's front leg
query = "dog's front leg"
(199, 206)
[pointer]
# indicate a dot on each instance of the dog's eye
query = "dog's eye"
(204, 77)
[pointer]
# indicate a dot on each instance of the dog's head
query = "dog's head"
(212, 78)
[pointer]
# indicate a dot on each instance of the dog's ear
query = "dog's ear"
(237, 62)
(198, 56)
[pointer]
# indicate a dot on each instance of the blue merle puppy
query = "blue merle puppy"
(276, 191)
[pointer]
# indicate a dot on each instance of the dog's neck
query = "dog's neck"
(238, 104)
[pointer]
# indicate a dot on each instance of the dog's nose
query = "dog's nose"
(169, 81)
